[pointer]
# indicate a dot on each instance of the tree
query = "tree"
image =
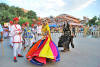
(98, 21)
(31, 14)
(23, 20)
(19, 12)
(5, 16)
(12, 10)
(3, 6)
(92, 21)
(7, 13)
(99, 17)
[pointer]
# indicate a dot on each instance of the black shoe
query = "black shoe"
(15, 61)
(72, 45)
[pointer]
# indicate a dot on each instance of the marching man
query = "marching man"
(39, 27)
(10, 35)
(17, 39)
(28, 35)
(34, 33)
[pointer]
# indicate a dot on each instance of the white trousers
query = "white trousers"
(17, 48)
(10, 40)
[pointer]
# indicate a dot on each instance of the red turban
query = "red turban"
(16, 19)
(23, 24)
(32, 25)
(27, 23)
(39, 23)
(11, 22)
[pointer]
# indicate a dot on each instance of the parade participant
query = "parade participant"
(39, 27)
(34, 33)
(85, 31)
(23, 36)
(28, 35)
(66, 38)
(32, 26)
(77, 30)
(74, 30)
(44, 49)
(17, 38)
(23, 26)
(5, 31)
(1, 33)
(10, 35)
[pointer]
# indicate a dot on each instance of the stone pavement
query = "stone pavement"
(85, 54)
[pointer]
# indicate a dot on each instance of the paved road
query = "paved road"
(85, 54)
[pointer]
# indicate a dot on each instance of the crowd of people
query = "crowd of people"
(34, 37)
(37, 39)
(86, 30)
(80, 30)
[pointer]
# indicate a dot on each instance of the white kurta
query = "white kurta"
(16, 29)
(10, 36)
(10, 29)
(39, 29)
(39, 32)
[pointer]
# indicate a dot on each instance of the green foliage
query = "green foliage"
(98, 22)
(31, 14)
(19, 12)
(93, 20)
(12, 10)
(23, 20)
(3, 6)
(7, 13)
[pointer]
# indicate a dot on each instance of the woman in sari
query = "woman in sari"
(44, 49)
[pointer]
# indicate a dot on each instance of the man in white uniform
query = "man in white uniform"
(34, 32)
(10, 35)
(39, 27)
(17, 39)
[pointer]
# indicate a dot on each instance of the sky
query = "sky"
(45, 8)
